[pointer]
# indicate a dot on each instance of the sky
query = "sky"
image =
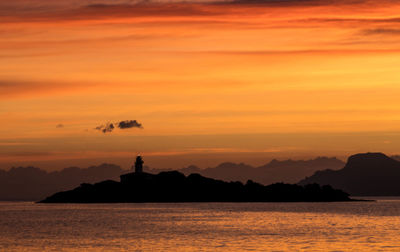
(198, 82)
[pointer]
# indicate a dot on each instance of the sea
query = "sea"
(336, 226)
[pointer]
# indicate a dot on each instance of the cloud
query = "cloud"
(108, 127)
(298, 3)
(365, 20)
(109, 11)
(60, 126)
(127, 124)
(16, 88)
(382, 31)
(281, 2)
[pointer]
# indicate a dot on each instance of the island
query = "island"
(365, 174)
(173, 186)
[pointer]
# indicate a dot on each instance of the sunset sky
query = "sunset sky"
(243, 81)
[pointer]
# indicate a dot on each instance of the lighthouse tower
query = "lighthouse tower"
(139, 164)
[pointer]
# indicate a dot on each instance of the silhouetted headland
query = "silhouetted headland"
(366, 174)
(174, 186)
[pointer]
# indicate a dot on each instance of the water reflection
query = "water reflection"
(347, 226)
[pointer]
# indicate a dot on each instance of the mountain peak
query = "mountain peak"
(370, 159)
(368, 174)
(373, 155)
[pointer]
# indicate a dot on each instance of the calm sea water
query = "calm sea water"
(351, 226)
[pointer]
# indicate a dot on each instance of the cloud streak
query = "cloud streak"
(112, 11)
(284, 3)
(382, 31)
(142, 9)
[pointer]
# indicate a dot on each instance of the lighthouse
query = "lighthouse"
(139, 164)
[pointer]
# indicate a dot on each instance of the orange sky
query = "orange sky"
(210, 82)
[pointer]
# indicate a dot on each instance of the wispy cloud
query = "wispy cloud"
(108, 10)
(286, 2)
(111, 11)
(381, 31)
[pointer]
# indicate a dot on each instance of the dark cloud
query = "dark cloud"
(109, 11)
(104, 6)
(60, 125)
(279, 2)
(108, 127)
(129, 124)
(288, 3)
(148, 8)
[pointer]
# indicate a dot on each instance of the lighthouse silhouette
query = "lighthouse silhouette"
(139, 164)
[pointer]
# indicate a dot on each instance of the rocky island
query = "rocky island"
(174, 186)
(365, 174)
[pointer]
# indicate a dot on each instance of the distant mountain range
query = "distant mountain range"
(368, 174)
(287, 171)
(30, 183)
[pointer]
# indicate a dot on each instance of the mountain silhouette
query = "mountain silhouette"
(174, 186)
(30, 183)
(368, 174)
(286, 171)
